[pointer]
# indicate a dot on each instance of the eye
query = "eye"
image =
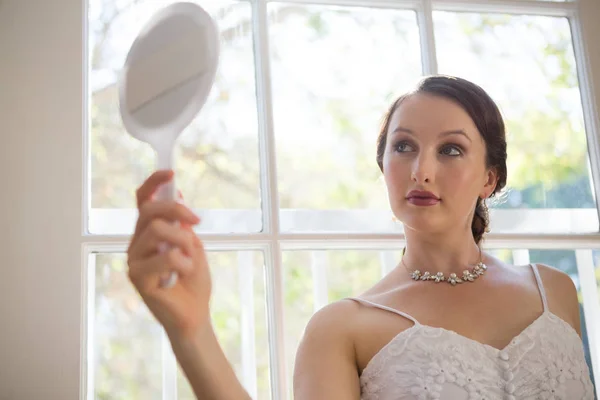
(451, 150)
(403, 147)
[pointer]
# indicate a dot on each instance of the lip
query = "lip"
(422, 198)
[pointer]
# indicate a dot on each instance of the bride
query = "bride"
(449, 322)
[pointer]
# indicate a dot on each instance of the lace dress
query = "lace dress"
(545, 361)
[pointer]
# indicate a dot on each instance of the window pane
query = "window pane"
(126, 347)
(217, 166)
(527, 65)
(335, 70)
(313, 279)
(127, 340)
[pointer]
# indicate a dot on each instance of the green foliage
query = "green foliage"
(545, 149)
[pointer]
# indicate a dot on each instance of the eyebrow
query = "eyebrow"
(445, 133)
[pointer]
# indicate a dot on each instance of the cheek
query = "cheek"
(395, 174)
(460, 181)
(459, 173)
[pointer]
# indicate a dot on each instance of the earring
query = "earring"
(486, 214)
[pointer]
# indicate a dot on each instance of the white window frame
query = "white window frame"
(272, 241)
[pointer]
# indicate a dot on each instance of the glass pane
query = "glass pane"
(335, 70)
(126, 347)
(527, 64)
(313, 279)
(217, 166)
(126, 339)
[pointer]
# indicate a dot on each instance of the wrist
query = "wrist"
(192, 338)
(205, 365)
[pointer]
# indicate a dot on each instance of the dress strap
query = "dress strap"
(540, 286)
(402, 314)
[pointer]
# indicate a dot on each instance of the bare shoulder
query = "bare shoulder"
(333, 320)
(325, 365)
(562, 294)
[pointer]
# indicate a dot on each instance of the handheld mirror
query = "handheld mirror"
(167, 76)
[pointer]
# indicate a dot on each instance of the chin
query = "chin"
(421, 221)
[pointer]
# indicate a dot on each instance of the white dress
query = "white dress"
(545, 361)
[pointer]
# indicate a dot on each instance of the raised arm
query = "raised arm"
(206, 368)
(183, 310)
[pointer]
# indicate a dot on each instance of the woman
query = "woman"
(448, 322)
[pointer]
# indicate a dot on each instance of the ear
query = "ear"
(490, 183)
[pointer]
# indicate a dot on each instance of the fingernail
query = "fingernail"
(194, 216)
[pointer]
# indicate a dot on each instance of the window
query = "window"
(300, 92)
(130, 357)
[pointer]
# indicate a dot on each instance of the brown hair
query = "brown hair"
(487, 118)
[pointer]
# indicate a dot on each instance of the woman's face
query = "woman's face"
(434, 146)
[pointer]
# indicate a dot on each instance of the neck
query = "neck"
(448, 253)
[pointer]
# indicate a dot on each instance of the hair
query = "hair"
(487, 118)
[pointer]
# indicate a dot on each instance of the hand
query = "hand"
(183, 309)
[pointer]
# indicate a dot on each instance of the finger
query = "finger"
(160, 231)
(167, 210)
(187, 226)
(147, 189)
(147, 273)
(195, 239)
(180, 197)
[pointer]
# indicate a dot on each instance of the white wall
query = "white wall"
(40, 203)
(40, 200)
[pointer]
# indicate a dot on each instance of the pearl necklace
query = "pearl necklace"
(453, 279)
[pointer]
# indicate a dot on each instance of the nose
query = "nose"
(423, 169)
